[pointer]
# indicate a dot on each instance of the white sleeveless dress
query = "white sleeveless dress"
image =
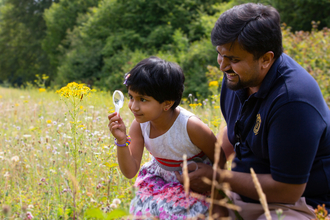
(159, 194)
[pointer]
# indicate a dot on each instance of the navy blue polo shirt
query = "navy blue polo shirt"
(284, 129)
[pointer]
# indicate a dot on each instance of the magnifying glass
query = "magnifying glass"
(118, 100)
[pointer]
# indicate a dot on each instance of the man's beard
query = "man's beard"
(237, 86)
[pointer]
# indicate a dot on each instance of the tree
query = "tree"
(21, 30)
(60, 19)
(299, 14)
(116, 29)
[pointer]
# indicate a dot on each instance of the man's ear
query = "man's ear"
(267, 60)
(168, 105)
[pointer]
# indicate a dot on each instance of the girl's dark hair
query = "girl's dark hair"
(256, 27)
(157, 78)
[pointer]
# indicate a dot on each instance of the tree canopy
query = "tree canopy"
(97, 41)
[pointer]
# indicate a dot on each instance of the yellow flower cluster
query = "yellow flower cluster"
(195, 105)
(75, 90)
(214, 83)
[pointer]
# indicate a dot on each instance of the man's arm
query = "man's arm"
(242, 184)
(275, 191)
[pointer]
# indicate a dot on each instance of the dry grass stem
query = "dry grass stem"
(216, 216)
(229, 165)
(226, 188)
(210, 182)
(221, 186)
(186, 183)
(73, 180)
(261, 194)
(217, 152)
(224, 203)
(224, 174)
(197, 195)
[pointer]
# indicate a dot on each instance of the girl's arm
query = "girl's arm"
(129, 157)
(202, 136)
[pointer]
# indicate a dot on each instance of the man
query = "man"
(277, 119)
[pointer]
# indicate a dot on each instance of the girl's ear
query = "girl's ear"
(168, 105)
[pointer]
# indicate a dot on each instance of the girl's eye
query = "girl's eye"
(143, 100)
(130, 97)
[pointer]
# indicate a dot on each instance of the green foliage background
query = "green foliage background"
(97, 41)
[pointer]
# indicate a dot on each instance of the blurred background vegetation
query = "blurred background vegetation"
(97, 41)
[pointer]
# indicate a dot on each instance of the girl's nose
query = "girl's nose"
(133, 105)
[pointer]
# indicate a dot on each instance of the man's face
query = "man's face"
(239, 67)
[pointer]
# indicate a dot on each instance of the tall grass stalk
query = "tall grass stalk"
(261, 194)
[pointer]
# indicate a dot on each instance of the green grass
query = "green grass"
(36, 162)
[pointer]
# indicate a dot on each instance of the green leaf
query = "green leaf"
(94, 213)
(59, 212)
(118, 213)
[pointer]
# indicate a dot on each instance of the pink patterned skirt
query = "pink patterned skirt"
(160, 195)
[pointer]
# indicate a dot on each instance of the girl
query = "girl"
(168, 132)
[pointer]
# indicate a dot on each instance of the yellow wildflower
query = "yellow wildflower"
(74, 90)
(214, 83)
(194, 105)
(44, 76)
(49, 121)
(42, 90)
(0, 96)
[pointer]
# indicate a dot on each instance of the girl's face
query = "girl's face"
(145, 108)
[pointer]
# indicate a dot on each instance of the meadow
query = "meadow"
(58, 159)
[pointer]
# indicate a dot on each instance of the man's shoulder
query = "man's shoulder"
(295, 83)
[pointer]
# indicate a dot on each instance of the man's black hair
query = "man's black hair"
(256, 28)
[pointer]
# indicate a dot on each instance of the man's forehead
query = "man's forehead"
(227, 49)
(232, 49)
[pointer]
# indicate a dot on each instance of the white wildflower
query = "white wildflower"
(116, 201)
(114, 206)
(15, 159)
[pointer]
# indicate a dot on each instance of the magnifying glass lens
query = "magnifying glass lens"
(118, 100)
